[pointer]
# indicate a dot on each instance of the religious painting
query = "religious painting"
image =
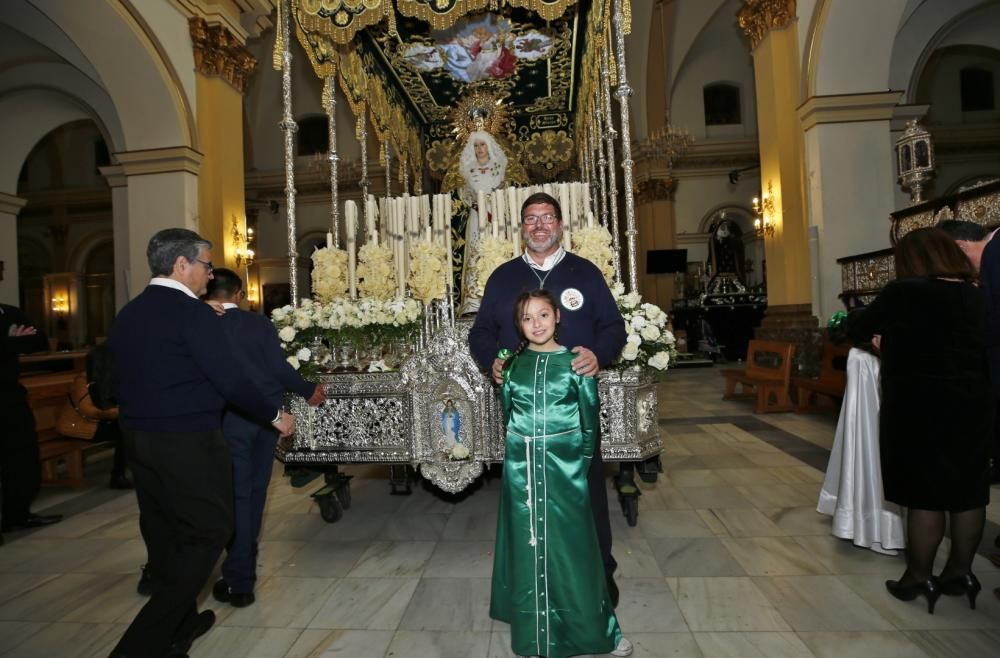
(483, 47)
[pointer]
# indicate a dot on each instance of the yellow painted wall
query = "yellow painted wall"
(776, 73)
(221, 192)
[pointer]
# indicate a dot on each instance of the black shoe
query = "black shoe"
(33, 521)
(148, 583)
(120, 482)
(613, 591)
(190, 631)
(967, 585)
(222, 593)
(929, 588)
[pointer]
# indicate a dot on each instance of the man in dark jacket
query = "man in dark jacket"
(20, 475)
(590, 324)
(251, 442)
(175, 370)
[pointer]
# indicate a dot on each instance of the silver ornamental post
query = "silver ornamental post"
(331, 114)
(609, 139)
(624, 92)
(289, 127)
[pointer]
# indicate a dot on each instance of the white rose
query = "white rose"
(638, 322)
(630, 352)
(303, 354)
(650, 332)
(667, 337)
(660, 360)
(287, 334)
(292, 360)
(633, 339)
(631, 300)
(303, 322)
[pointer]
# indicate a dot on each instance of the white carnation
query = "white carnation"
(303, 354)
(292, 360)
(631, 352)
(638, 322)
(660, 360)
(287, 334)
(633, 339)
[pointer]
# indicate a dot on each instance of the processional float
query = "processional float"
(384, 330)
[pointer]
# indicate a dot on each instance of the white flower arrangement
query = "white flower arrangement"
(648, 341)
(594, 244)
(329, 276)
(491, 253)
(342, 320)
(428, 264)
(376, 274)
(459, 452)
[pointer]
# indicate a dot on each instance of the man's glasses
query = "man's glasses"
(531, 220)
(208, 264)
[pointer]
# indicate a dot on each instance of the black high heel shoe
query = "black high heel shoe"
(929, 588)
(967, 584)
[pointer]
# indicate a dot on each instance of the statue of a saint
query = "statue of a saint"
(725, 249)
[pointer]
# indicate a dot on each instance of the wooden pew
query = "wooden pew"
(765, 378)
(46, 395)
(823, 393)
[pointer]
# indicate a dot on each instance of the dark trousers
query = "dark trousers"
(995, 452)
(20, 473)
(252, 449)
(109, 430)
(599, 505)
(183, 482)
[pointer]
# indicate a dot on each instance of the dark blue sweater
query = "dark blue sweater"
(174, 367)
(596, 325)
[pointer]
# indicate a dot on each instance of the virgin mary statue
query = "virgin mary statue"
(482, 165)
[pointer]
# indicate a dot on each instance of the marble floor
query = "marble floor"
(729, 558)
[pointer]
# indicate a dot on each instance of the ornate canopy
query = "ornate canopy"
(419, 64)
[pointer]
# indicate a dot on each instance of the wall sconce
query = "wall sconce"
(60, 304)
(243, 241)
(762, 209)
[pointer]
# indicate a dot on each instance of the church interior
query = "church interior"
(746, 158)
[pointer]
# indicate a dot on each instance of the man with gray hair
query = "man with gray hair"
(174, 373)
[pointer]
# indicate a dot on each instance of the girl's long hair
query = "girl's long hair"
(927, 252)
(519, 304)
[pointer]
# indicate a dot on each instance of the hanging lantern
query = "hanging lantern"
(915, 160)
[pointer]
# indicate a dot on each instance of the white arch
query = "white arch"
(126, 58)
(31, 114)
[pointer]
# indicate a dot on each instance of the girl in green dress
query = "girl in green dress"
(548, 579)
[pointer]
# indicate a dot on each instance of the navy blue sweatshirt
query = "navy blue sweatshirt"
(258, 341)
(596, 324)
(175, 368)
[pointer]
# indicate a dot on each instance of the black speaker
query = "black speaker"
(666, 261)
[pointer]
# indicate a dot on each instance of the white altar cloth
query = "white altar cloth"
(852, 488)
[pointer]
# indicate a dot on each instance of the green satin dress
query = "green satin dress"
(548, 578)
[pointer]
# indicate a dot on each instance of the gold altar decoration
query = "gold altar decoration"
(218, 53)
(758, 17)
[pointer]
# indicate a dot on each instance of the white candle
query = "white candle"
(513, 210)
(425, 209)
(351, 215)
(547, 188)
(481, 201)
(447, 245)
(574, 199)
(329, 240)
(590, 219)
(515, 242)
(400, 247)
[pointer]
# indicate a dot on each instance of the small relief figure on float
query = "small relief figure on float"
(451, 431)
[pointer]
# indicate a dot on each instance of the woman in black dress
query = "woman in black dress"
(936, 417)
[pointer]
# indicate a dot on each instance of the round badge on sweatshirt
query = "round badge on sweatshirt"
(571, 299)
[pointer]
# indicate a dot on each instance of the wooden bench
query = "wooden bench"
(46, 395)
(824, 393)
(765, 378)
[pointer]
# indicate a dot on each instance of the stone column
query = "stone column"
(655, 217)
(773, 30)
(849, 164)
(223, 66)
(10, 206)
(151, 190)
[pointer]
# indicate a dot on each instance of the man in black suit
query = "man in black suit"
(251, 442)
(20, 474)
(175, 370)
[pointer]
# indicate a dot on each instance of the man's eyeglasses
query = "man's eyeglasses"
(208, 264)
(531, 220)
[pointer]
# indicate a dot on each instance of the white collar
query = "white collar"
(229, 305)
(172, 283)
(550, 261)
